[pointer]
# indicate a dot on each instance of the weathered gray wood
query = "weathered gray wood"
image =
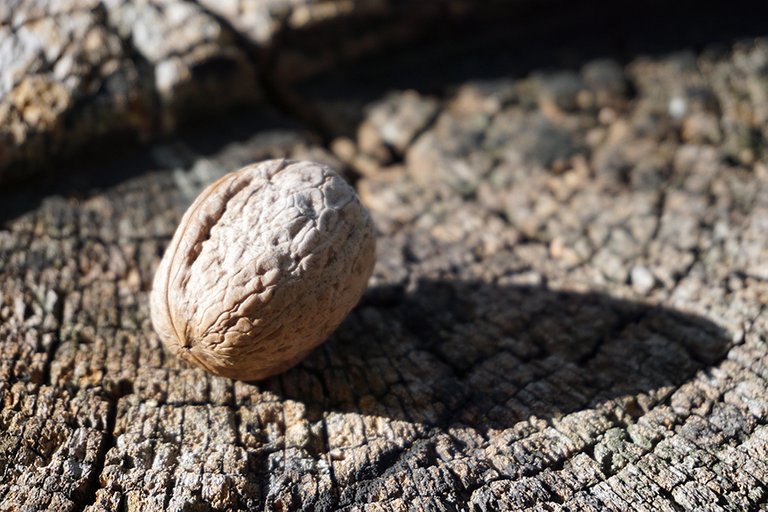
(74, 72)
(568, 312)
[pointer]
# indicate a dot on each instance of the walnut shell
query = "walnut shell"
(264, 265)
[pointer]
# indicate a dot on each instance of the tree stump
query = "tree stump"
(568, 310)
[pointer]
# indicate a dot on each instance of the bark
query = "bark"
(568, 310)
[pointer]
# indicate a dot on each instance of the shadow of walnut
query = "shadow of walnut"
(471, 354)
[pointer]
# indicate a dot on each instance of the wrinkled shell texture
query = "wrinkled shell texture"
(264, 265)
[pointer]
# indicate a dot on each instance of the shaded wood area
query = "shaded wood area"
(568, 310)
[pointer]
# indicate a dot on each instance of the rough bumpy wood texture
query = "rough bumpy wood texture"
(264, 265)
(73, 72)
(568, 310)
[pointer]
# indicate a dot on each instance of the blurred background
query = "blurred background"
(79, 76)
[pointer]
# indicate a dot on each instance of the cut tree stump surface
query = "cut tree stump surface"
(568, 310)
(73, 72)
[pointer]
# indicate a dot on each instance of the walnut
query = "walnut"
(264, 265)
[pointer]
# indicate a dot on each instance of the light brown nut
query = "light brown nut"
(264, 265)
